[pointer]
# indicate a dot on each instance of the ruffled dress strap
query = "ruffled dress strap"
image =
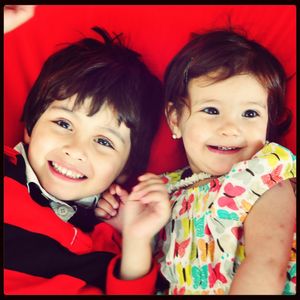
(172, 178)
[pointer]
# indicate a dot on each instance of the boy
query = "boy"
(89, 121)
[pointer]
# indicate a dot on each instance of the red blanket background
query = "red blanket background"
(155, 31)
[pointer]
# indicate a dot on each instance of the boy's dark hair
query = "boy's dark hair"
(107, 72)
(229, 53)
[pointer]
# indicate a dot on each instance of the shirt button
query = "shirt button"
(62, 210)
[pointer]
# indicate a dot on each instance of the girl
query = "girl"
(233, 208)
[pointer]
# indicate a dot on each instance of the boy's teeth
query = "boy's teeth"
(66, 172)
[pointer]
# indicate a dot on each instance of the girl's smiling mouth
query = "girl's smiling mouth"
(223, 149)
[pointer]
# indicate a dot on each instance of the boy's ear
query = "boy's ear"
(173, 119)
(26, 136)
(121, 179)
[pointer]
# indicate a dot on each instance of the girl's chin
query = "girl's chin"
(216, 172)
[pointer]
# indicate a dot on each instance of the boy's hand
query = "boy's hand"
(109, 202)
(147, 208)
(110, 206)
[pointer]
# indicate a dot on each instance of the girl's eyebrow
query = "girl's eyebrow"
(259, 103)
(111, 130)
(208, 101)
(204, 101)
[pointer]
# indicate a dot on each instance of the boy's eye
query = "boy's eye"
(64, 124)
(104, 142)
(210, 111)
(250, 113)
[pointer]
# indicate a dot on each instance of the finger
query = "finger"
(112, 189)
(119, 192)
(147, 187)
(122, 193)
(102, 214)
(147, 176)
(155, 197)
(113, 200)
(143, 184)
(149, 190)
(105, 206)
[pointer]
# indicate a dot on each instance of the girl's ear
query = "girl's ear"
(173, 120)
(26, 136)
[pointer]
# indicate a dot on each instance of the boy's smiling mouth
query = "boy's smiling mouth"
(67, 173)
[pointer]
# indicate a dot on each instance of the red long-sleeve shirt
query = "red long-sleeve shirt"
(46, 255)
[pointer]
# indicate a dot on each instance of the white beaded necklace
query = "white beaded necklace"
(188, 181)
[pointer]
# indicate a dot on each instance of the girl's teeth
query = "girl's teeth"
(66, 172)
(226, 148)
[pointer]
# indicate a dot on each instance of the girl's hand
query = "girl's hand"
(146, 209)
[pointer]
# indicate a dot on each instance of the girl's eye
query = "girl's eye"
(210, 111)
(64, 124)
(250, 113)
(104, 142)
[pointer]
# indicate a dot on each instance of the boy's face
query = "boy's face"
(74, 155)
(226, 123)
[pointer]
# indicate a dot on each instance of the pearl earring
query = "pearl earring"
(174, 136)
(267, 142)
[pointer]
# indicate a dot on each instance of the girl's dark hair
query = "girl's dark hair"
(107, 72)
(229, 53)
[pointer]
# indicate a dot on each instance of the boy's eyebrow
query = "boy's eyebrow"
(111, 130)
(62, 108)
(114, 132)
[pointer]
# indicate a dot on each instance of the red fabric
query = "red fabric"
(21, 211)
(141, 286)
(155, 31)
(17, 283)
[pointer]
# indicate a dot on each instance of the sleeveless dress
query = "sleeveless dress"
(202, 245)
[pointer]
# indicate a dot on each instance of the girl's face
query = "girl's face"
(226, 123)
(75, 155)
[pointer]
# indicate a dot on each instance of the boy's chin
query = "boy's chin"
(67, 197)
(68, 194)
(63, 195)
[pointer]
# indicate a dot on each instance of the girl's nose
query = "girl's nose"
(229, 128)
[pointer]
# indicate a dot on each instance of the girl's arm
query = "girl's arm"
(268, 231)
(139, 216)
(146, 210)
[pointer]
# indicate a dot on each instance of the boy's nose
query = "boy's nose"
(75, 151)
